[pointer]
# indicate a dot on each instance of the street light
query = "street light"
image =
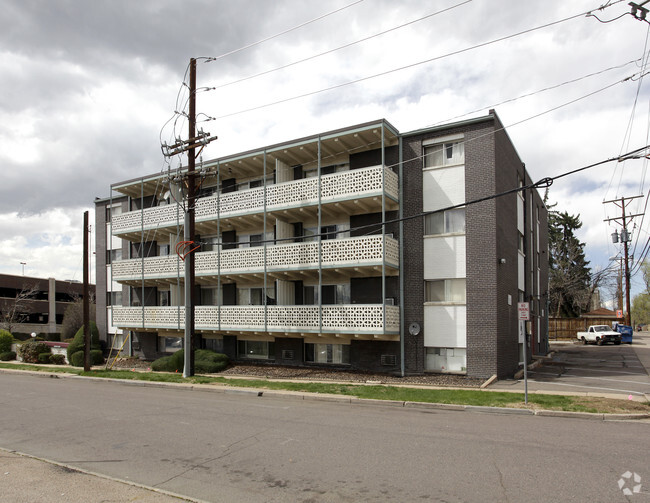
(23, 264)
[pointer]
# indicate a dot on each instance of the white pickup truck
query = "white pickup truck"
(600, 334)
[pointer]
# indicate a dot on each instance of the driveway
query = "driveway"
(596, 370)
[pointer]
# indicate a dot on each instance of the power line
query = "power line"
(229, 53)
(345, 46)
(405, 67)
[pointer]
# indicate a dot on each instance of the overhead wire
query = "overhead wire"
(235, 51)
(330, 51)
(404, 67)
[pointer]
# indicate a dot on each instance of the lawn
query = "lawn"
(377, 392)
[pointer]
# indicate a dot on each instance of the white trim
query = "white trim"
(443, 139)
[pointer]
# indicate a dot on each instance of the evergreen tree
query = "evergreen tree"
(569, 275)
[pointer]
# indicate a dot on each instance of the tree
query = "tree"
(641, 302)
(73, 317)
(15, 311)
(569, 274)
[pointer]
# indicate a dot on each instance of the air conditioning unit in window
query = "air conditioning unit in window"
(389, 360)
(288, 354)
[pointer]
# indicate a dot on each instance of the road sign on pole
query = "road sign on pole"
(523, 308)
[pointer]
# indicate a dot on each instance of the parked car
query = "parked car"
(599, 334)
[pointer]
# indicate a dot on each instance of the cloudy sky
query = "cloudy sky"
(88, 88)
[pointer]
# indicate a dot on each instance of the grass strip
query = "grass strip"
(376, 392)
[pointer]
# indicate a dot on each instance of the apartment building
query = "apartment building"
(351, 248)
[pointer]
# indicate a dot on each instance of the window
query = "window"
(170, 344)
(255, 296)
(258, 350)
(163, 250)
(446, 359)
(444, 154)
(163, 297)
(330, 294)
(111, 211)
(114, 298)
(327, 353)
(255, 240)
(445, 290)
(445, 222)
(328, 232)
(113, 255)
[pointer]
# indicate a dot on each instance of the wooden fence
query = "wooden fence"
(567, 328)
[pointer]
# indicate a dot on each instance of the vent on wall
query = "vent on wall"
(288, 354)
(388, 360)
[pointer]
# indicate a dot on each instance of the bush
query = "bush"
(44, 357)
(206, 361)
(58, 359)
(77, 359)
(29, 351)
(77, 343)
(7, 356)
(6, 340)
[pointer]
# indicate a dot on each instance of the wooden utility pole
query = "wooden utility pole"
(189, 146)
(625, 238)
(189, 232)
(86, 300)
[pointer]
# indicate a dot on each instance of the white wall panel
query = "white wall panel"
(444, 257)
(442, 187)
(445, 326)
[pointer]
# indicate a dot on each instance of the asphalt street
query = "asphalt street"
(242, 447)
(609, 370)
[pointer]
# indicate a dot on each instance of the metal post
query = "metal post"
(86, 304)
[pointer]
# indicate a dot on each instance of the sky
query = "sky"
(90, 89)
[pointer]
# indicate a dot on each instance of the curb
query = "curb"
(300, 395)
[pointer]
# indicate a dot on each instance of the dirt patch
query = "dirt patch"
(602, 405)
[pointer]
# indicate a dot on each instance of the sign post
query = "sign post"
(523, 308)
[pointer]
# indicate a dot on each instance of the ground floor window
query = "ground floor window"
(327, 353)
(213, 344)
(170, 344)
(446, 359)
(258, 350)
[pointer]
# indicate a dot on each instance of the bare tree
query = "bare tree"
(73, 316)
(15, 311)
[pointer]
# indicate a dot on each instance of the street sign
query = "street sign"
(523, 308)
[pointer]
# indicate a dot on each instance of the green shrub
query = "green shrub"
(29, 350)
(58, 359)
(7, 356)
(77, 359)
(44, 357)
(206, 361)
(77, 343)
(6, 340)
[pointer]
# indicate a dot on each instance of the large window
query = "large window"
(256, 297)
(445, 222)
(330, 294)
(444, 154)
(327, 353)
(445, 290)
(256, 350)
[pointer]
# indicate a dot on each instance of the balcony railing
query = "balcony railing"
(354, 319)
(357, 183)
(348, 252)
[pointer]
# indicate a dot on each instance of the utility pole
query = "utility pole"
(625, 238)
(179, 147)
(86, 300)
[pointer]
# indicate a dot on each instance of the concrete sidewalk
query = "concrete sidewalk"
(28, 479)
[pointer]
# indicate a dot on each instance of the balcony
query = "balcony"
(364, 187)
(357, 253)
(357, 320)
